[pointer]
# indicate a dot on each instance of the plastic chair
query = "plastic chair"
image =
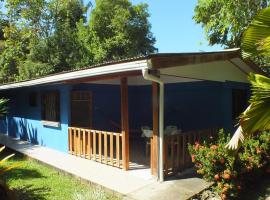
(147, 134)
(170, 130)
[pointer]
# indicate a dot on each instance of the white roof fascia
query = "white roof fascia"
(84, 73)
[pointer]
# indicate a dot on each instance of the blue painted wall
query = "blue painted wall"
(190, 106)
(24, 121)
(200, 105)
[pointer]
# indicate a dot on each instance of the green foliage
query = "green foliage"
(55, 36)
(256, 39)
(257, 118)
(228, 171)
(30, 69)
(224, 21)
(119, 29)
(256, 44)
(3, 107)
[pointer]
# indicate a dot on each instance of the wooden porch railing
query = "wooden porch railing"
(101, 146)
(176, 155)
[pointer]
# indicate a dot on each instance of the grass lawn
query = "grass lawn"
(33, 180)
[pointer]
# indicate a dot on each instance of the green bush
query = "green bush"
(230, 171)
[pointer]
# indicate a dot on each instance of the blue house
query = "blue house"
(101, 112)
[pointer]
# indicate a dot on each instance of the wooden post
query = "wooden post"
(154, 140)
(124, 123)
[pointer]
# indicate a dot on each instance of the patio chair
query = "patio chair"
(147, 133)
(170, 130)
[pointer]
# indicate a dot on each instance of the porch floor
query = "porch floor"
(134, 184)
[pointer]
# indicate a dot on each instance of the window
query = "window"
(33, 99)
(50, 103)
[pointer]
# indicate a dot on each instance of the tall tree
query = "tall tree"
(119, 29)
(41, 38)
(61, 44)
(47, 36)
(224, 21)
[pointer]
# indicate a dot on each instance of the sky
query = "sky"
(174, 28)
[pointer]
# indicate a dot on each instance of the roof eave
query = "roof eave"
(172, 60)
(91, 72)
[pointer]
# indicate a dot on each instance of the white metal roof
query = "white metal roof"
(136, 64)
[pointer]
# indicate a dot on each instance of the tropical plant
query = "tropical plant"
(4, 168)
(230, 172)
(256, 41)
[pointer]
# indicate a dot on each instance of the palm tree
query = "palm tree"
(256, 118)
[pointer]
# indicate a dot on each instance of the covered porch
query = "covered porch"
(114, 139)
(168, 153)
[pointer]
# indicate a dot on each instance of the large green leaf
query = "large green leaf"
(256, 39)
(257, 118)
(255, 42)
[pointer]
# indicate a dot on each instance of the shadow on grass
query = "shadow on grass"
(26, 192)
(21, 173)
(23, 192)
(30, 192)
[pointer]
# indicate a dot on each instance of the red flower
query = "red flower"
(258, 150)
(226, 176)
(197, 146)
(213, 147)
(239, 187)
(193, 158)
(222, 161)
(216, 177)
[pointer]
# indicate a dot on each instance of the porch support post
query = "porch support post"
(124, 123)
(154, 139)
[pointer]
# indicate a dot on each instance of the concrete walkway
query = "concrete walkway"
(133, 184)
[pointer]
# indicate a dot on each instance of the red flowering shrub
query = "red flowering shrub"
(229, 171)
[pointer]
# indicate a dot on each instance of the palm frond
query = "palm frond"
(2, 148)
(257, 116)
(12, 166)
(238, 137)
(256, 37)
(6, 158)
(3, 168)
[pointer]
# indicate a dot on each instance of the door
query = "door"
(81, 109)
